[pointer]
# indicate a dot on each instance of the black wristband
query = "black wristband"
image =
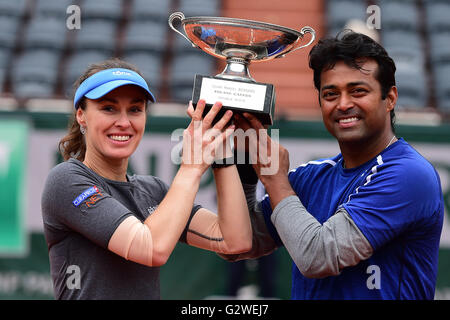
(245, 169)
(223, 163)
(247, 173)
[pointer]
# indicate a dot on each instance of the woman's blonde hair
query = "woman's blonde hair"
(73, 145)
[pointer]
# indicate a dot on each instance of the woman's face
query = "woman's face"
(114, 123)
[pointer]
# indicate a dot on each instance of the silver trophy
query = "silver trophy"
(239, 42)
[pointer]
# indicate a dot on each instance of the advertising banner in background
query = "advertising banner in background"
(13, 165)
(27, 155)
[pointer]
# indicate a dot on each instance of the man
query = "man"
(366, 223)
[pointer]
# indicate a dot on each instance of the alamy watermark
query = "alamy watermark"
(73, 20)
(73, 281)
(374, 19)
(374, 280)
(262, 149)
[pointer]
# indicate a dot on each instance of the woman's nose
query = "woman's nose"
(123, 120)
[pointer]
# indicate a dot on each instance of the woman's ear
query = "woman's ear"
(81, 117)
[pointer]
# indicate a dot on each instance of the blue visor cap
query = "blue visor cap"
(102, 82)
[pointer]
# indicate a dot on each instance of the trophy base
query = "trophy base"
(236, 95)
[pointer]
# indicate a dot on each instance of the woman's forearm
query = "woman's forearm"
(233, 215)
(170, 218)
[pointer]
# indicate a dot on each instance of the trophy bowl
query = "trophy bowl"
(239, 42)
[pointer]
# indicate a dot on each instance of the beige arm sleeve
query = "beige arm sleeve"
(204, 232)
(133, 241)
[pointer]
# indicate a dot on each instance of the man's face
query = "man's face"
(352, 108)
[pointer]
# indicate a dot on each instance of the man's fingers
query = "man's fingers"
(241, 122)
(254, 122)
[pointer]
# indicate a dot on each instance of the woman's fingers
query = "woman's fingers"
(211, 140)
(198, 112)
(220, 147)
(224, 120)
(190, 110)
(211, 115)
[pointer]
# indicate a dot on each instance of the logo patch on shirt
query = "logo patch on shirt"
(84, 195)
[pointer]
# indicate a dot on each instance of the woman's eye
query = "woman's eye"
(136, 109)
(107, 108)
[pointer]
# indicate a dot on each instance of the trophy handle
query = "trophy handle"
(303, 31)
(179, 16)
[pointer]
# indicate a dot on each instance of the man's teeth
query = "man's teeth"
(348, 120)
(120, 138)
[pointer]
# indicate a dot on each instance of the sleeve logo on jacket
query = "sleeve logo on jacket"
(86, 194)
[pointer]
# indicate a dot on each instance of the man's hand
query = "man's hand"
(270, 160)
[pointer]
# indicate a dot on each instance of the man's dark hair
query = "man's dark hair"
(351, 47)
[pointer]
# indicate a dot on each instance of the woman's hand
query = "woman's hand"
(202, 140)
(229, 230)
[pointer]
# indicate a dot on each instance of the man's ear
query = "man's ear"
(391, 98)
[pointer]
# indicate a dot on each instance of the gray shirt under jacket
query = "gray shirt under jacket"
(318, 250)
(81, 210)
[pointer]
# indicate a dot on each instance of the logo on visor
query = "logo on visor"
(121, 73)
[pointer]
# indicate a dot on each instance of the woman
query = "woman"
(108, 232)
